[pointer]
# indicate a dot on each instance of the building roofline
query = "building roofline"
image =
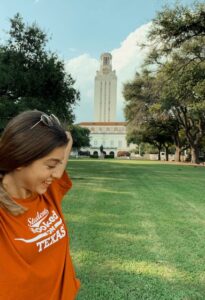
(103, 123)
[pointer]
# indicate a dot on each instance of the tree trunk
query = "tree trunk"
(159, 153)
(177, 143)
(167, 153)
(194, 155)
(177, 155)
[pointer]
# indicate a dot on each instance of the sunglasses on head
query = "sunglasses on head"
(47, 120)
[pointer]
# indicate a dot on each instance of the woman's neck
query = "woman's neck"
(13, 187)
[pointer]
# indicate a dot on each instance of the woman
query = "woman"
(34, 257)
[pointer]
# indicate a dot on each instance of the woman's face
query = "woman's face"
(36, 177)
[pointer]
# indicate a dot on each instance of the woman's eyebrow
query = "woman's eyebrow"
(54, 160)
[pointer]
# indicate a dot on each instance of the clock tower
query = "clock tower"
(105, 95)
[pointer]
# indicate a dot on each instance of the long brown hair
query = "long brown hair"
(22, 143)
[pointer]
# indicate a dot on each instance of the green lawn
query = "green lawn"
(137, 229)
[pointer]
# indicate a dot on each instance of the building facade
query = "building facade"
(105, 131)
(110, 135)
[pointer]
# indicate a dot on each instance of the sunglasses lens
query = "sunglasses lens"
(54, 118)
(46, 120)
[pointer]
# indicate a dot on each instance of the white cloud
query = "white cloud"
(127, 59)
(83, 69)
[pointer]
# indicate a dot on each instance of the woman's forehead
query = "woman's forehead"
(56, 155)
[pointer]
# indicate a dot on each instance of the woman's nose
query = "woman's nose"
(57, 173)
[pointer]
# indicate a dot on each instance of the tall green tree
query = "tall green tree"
(174, 27)
(81, 137)
(182, 96)
(144, 110)
(31, 77)
(178, 38)
(139, 96)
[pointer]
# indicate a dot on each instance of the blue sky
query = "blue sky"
(81, 30)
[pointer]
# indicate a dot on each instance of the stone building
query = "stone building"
(105, 130)
(105, 94)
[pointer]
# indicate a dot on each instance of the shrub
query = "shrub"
(109, 155)
(94, 155)
(123, 153)
(84, 153)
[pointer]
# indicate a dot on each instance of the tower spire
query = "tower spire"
(105, 91)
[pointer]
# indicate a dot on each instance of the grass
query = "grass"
(137, 230)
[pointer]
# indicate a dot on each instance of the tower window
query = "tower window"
(105, 60)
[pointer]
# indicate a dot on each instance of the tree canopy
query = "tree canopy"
(172, 27)
(81, 136)
(33, 77)
(174, 93)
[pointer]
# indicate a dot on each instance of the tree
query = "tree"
(81, 136)
(156, 133)
(178, 52)
(32, 77)
(173, 93)
(143, 111)
(172, 28)
(139, 96)
(182, 96)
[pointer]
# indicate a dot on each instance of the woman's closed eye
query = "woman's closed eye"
(51, 167)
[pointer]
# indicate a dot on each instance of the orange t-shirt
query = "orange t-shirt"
(35, 262)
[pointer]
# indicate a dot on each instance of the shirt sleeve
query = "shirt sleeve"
(59, 187)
